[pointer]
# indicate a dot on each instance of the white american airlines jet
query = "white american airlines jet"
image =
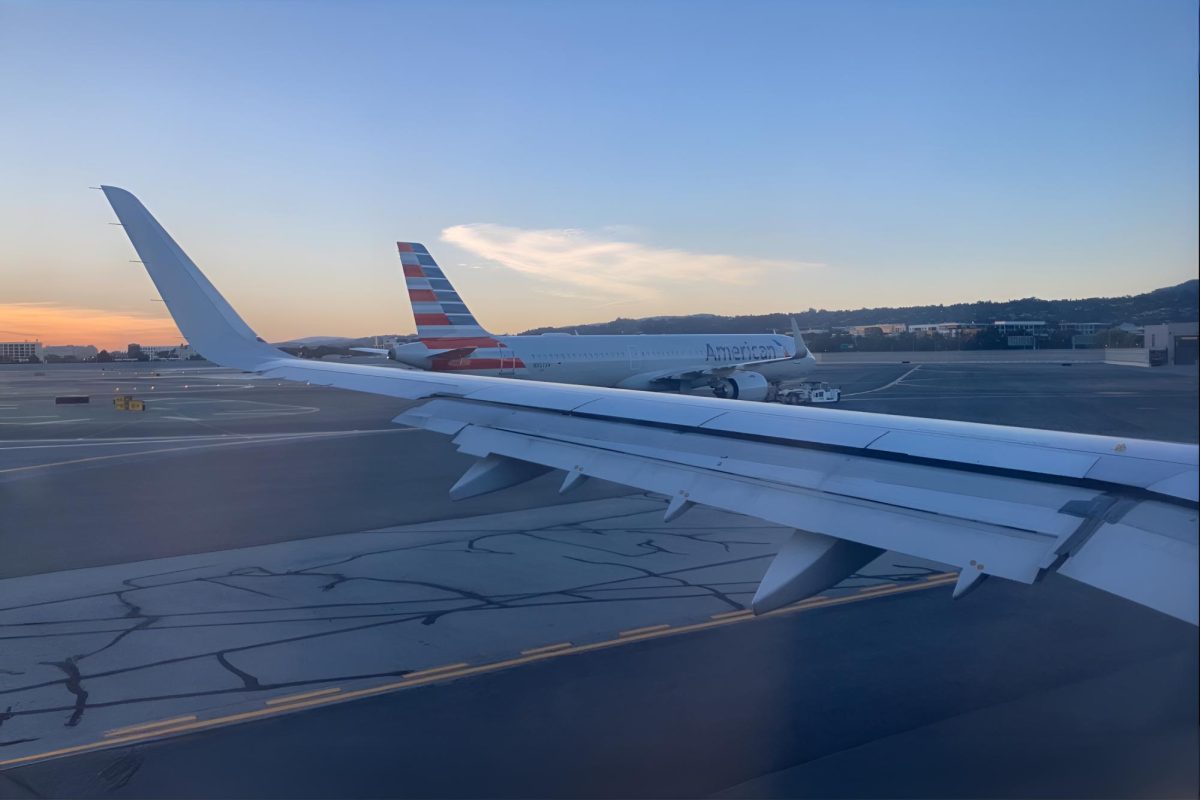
(450, 340)
(991, 501)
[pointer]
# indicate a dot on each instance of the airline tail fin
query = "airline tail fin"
(439, 312)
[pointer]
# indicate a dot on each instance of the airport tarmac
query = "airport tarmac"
(790, 705)
(214, 635)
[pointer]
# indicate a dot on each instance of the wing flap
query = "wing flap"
(648, 408)
(1007, 552)
(1183, 484)
(985, 453)
(1148, 557)
(822, 431)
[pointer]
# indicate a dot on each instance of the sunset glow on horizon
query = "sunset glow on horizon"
(52, 324)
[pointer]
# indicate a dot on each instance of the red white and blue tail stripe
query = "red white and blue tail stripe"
(440, 313)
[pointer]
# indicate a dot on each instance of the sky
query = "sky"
(572, 162)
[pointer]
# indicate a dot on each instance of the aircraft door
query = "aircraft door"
(508, 362)
(636, 363)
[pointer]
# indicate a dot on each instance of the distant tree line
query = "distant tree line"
(1173, 304)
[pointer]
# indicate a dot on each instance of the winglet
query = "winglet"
(801, 347)
(205, 318)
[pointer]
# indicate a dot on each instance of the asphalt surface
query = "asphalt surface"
(1055, 690)
(1083, 398)
(213, 635)
(202, 468)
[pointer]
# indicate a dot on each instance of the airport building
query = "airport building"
(1022, 333)
(163, 352)
(884, 328)
(19, 352)
(951, 329)
(77, 351)
(1084, 328)
(1171, 343)
(1022, 328)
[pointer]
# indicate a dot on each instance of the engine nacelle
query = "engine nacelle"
(743, 386)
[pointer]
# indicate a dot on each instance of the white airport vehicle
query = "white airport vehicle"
(1117, 514)
(451, 340)
(814, 392)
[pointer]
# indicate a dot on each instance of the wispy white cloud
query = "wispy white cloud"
(604, 265)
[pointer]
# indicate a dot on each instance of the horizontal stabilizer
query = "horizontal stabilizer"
(419, 355)
(457, 352)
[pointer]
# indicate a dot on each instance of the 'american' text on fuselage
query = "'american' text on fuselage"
(739, 352)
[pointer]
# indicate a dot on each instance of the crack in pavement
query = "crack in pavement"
(73, 684)
(351, 617)
(248, 680)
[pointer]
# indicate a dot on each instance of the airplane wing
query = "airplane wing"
(375, 351)
(1118, 514)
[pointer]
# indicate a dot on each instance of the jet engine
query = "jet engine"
(742, 386)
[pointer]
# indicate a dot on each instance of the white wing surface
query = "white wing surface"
(1118, 514)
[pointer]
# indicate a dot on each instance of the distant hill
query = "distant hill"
(1172, 304)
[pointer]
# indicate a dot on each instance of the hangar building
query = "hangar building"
(1172, 343)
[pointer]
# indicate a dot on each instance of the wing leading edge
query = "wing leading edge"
(1118, 514)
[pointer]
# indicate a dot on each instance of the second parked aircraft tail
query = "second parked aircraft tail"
(441, 315)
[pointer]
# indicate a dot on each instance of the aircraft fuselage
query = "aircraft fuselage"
(625, 361)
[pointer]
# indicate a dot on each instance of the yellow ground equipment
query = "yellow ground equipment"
(125, 402)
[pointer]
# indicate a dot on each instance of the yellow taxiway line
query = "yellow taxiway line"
(152, 730)
(422, 673)
(647, 629)
(149, 725)
(550, 648)
(291, 698)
